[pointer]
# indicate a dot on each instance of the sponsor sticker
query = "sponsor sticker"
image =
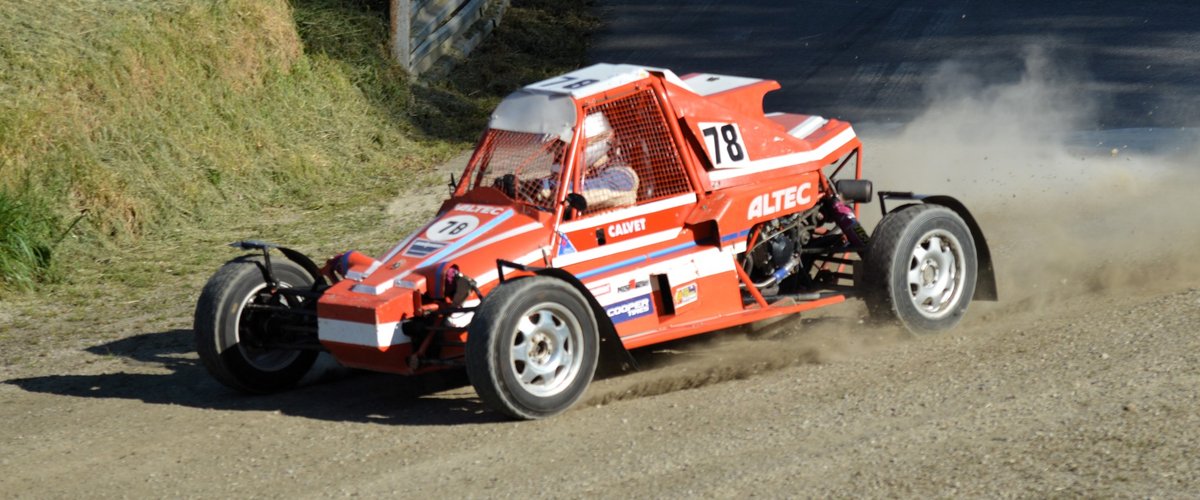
(627, 227)
(686, 294)
(564, 244)
(599, 289)
(633, 285)
(780, 200)
(421, 248)
(478, 209)
(630, 309)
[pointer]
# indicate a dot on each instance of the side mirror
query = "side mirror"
(577, 201)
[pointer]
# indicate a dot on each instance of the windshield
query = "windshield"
(524, 166)
(535, 112)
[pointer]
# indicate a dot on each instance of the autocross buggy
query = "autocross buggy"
(607, 209)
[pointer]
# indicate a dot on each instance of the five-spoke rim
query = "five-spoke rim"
(935, 273)
(546, 349)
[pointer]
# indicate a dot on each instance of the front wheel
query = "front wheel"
(232, 339)
(532, 347)
(920, 269)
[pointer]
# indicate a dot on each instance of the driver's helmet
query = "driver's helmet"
(598, 134)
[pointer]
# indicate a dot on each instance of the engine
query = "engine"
(782, 251)
(775, 254)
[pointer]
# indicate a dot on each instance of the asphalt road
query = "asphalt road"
(1137, 63)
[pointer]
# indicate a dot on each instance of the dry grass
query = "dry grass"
(155, 116)
(182, 125)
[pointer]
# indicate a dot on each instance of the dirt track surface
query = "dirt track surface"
(1097, 398)
(1082, 381)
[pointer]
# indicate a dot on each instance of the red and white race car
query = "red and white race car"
(607, 209)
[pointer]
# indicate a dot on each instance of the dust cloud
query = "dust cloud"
(827, 336)
(1067, 209)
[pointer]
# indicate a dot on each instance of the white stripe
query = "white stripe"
(357, 276)
(807, 127)
(500, 237)
(616, 215)
(788, 160)
(364, 334)
(372, 290)
(679, 271)
(615, 248)
(708, 84)
(492, 275)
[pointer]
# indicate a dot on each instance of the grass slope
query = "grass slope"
(154, 117)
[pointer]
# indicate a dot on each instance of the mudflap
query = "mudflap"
(985, 284)
(292, 255)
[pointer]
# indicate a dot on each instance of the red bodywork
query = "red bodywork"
(710, 167)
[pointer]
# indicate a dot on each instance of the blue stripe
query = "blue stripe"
(734, 236)
(467, 239)
(641, 258)
(652, 255)
(676, 248)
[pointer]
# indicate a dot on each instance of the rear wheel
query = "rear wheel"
(532, 347)
(920, 269)
(231, 339)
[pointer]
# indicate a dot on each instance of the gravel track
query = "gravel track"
(1081, 381)
(1098, 398)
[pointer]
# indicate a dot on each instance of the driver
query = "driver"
(608, 182)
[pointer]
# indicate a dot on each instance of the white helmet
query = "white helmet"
(596, 125)
(597, 131)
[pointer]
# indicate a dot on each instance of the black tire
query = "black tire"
(532, 347)
(224, 333)
(920, 269)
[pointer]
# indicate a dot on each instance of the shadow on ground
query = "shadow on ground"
(166, 371)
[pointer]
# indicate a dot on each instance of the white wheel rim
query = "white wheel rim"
(546, 349)
(267, 360)
(935, 273)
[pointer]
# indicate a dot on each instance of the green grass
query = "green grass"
(25, 252)
(172, 118)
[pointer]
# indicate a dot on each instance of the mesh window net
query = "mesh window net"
(522, 165)
(629, 156)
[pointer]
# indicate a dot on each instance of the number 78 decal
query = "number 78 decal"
(724, 144)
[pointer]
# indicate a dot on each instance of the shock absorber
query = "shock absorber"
(842, 215)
